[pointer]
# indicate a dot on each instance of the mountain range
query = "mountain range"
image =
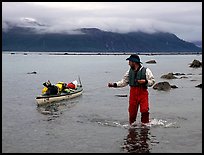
(93, 40)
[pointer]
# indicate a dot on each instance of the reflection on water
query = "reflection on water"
(54, 110)
(137, 140)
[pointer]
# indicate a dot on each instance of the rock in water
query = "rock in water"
(196, 64)
(162, 86)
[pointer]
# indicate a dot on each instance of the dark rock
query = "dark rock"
(182, 77)
(169, 76)
(200, 85)
(196, 64)
(151, 61)
(178, 74)
(162, 86)
(121, 95)
(32, 72)
(174, 86)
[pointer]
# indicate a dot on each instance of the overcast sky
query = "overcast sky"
(184, 19)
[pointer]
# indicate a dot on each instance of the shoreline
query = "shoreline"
(101, 53)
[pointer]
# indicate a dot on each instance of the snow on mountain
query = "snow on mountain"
(26, 21)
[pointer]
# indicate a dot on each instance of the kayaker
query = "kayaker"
(139, 79)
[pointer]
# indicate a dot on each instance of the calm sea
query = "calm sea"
(97, 121)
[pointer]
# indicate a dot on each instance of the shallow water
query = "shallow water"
(97, 121)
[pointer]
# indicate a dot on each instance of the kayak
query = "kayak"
(71, 93)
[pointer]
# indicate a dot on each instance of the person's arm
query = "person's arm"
(122, 83)
(149, 77)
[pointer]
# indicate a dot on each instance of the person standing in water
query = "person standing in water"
(139, 79)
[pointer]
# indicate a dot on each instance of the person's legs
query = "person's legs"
(144, 106)
(145, 117)
(133, 108)
(133, 105)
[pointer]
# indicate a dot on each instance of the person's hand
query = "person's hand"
(141, 81)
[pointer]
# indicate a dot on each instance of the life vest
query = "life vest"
(134, 76)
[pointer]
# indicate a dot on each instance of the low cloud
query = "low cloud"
(181, 18)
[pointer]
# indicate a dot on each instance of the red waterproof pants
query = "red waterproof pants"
(138, 97)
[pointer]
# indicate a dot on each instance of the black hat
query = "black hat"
(134, 58)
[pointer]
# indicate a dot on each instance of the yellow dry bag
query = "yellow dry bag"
(44, 90)
(60, 85)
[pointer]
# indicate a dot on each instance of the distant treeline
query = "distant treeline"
(93, 40)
